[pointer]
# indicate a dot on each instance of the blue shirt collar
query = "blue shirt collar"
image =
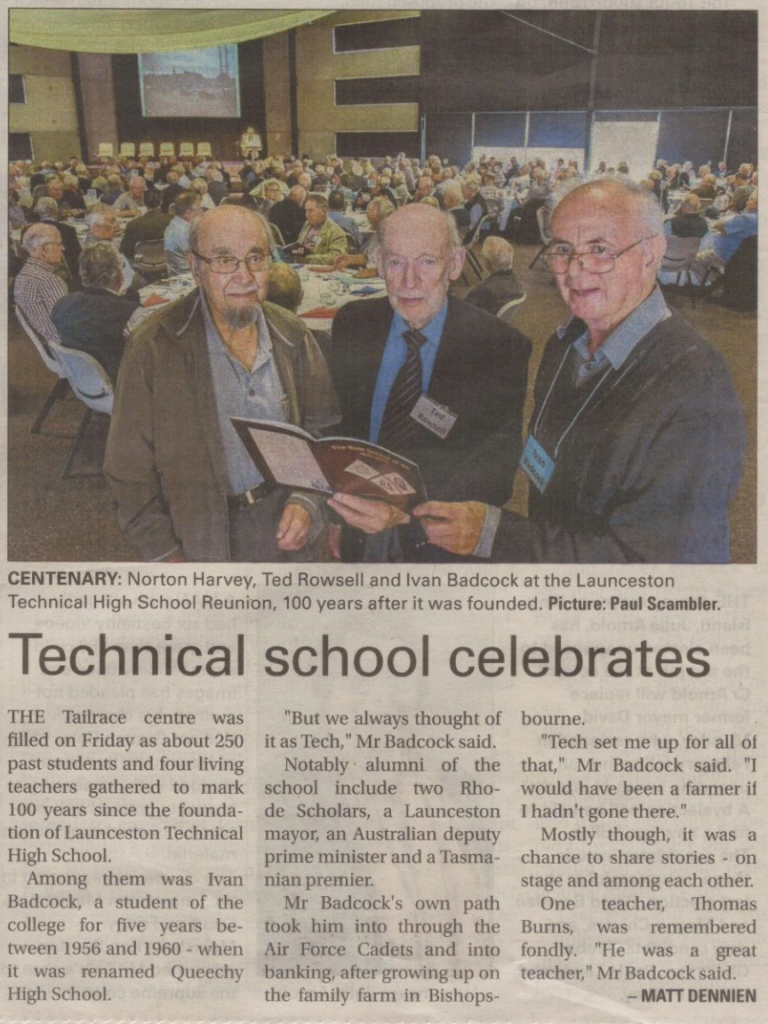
(433, 331)
(619, 345)
(214, 339)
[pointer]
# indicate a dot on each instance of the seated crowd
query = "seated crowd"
(410, 224)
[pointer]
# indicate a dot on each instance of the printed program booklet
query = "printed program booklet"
(290, 457)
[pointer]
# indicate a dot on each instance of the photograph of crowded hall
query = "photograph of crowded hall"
(508, 258)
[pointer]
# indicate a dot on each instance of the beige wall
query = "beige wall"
(50, 113)
(319, 118)
(277, 93)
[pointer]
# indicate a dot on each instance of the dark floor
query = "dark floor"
(73, 520)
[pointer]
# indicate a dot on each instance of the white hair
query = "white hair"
(498, 253)
(37, 235)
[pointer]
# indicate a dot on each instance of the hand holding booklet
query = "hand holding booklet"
(288, 456)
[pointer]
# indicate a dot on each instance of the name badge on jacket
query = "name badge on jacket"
(434, 417)
(537, 464)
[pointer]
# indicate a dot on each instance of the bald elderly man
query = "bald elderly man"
(186, 488)
(430, 377)
(636, 442)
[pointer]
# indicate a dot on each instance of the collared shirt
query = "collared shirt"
(348, 225)
(616, 349)
(737, 228)
(126, 201)
(176, 245)
(395, 352)
(309, 236)
(36, 290)
(249, 394)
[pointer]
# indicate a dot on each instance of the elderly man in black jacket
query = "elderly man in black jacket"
(427, 376)
(94, 319)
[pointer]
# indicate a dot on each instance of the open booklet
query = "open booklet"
(290, 457)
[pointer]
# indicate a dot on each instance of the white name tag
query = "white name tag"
(434, 417)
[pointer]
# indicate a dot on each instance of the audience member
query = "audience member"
(284, 287)
(38, 286)
(688, 222)
(502, 285)
(176, 238)
(47, 211)
(288, 214)
(93, 320)
(321, 240)
(336, 213)
(146, 228)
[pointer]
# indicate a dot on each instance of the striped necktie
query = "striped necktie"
(398, 428)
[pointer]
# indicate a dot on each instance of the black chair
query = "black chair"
(149, 259)
(509, 310)
(740, 278)
(542, 219)
(352, 247)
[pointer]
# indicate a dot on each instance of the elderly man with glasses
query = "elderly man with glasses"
(636, 442)
(41, 281)
(186, 488)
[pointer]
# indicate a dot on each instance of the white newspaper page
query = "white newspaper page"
(465, 790)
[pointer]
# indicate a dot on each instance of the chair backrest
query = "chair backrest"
(186, 149)
(106, 149)
(167, 149)
(44, 349)
(680, 254)
(88, 378)
(542, 219)
(146, 149)
(149, 256)
(509, 309)
(469, 239)
(204, 149)
(127, 149)
(277, 234)
(352, 246)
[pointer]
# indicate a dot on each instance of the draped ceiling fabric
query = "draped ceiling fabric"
(142, 30)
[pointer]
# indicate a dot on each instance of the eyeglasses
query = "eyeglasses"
(254, 262)
(60, 245)
(597, 259)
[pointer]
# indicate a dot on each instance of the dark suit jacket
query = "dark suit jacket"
(289, 218)
(480, 374)
(169, 196)
(150, 226)
(92, 321)
(217, 190)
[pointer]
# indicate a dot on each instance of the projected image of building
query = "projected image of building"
(202, 83)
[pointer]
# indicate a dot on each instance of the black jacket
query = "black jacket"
(480, 374)
(93, 321)
(289, 218)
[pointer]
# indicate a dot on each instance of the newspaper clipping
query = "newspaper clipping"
(393, 740)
